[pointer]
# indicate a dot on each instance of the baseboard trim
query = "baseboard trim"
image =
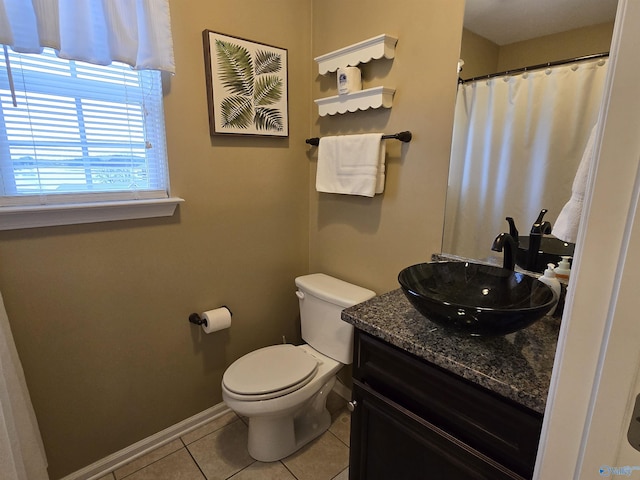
(138, 449)
(116, 460)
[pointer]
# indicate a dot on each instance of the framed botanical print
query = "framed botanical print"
(247, 88)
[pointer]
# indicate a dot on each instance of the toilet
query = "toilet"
(283, 389)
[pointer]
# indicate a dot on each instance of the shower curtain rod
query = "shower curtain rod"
(535, 67)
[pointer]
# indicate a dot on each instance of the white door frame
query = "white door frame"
(593, 378)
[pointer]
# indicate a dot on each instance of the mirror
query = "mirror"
(505, 36)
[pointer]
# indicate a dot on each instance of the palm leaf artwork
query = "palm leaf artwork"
(235, 68)
(268, 90)
(267, 62)
(253, 87)
(237, 111)
(268, 119)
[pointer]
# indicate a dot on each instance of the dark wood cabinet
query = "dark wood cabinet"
(414, 420)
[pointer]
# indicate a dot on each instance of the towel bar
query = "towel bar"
(402, 136)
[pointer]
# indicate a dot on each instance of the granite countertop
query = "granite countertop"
(516, 366)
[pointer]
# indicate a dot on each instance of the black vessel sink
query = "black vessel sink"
(551, 250)
(475, 299)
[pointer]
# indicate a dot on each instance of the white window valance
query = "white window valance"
(135, 32)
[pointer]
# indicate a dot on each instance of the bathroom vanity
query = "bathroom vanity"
(430, 404)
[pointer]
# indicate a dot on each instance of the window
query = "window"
(73, 132)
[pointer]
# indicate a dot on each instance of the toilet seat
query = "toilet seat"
(269, 372)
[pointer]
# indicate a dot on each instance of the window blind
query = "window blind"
(79, 132)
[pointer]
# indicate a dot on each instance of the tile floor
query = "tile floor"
(218, 451)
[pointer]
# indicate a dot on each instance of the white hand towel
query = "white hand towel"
(566, 226)
(351, 164)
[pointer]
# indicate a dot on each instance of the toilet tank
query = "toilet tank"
(322, 299)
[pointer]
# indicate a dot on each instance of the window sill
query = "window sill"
(13, 218)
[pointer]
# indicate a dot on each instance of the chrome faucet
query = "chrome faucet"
(506, 244)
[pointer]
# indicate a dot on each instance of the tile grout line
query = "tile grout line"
(186, 447)
(339, 439)
(148, 464)
(194, 460)
(241, 470)
(288, 469)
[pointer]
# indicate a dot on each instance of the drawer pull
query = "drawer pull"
(351, 406)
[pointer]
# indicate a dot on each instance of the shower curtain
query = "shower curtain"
(517, 143)
(22, 454)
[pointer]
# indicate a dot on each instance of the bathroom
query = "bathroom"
(99, 311)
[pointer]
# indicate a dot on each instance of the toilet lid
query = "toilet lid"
(270, 369)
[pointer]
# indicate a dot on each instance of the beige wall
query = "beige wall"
(368, 241)
(483, 57)
(479, 54)
(99, 312)
(574, 43)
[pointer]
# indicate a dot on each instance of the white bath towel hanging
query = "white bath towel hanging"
(351, 164)
(566, 226)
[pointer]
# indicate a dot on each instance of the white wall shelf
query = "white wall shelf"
(371, 49)
(363, 100)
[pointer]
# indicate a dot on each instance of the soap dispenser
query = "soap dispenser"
(563, 270)
(550, 279)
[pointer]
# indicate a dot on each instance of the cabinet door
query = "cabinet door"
(390, 442)
(498, 428)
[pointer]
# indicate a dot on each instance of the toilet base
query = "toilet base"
(274, 437)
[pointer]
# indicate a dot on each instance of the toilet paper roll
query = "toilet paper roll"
(349, 80)
(216, 319)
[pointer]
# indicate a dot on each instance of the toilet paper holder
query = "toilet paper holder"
(196, 319)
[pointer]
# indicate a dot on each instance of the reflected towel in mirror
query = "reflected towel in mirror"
(566, 226)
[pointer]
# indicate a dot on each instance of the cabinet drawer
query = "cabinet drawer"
(487, 422)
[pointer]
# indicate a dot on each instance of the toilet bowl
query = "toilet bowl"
(282, 421)
(283, 389)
